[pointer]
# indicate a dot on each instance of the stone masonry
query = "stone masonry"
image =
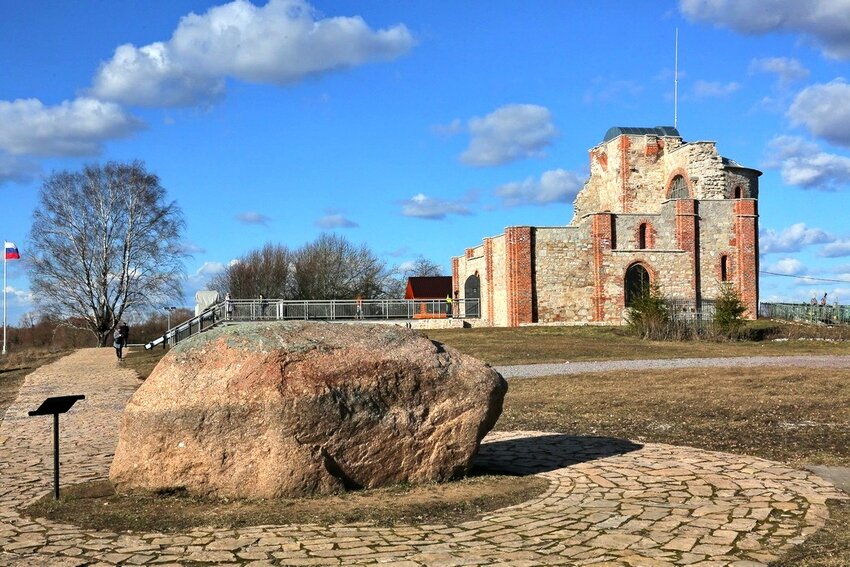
(655, 204)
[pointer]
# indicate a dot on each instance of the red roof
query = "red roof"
(433, 287)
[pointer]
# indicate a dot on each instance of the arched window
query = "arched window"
(724, 268)
(636, 284)
(739, 192)
(642, 236)
(679, 188)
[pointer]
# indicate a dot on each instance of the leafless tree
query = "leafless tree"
(105, 241)
(330, 267)
(333, 268)
(421, 267)
(267, 272)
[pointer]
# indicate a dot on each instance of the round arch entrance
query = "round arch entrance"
(636, 284)
(472, 291)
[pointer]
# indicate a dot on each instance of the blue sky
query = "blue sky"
(419, 128)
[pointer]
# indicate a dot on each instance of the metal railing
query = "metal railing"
(807, 313)
(258, 310)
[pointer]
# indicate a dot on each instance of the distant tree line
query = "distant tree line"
(330, 267)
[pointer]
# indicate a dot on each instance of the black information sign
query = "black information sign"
(54, 406)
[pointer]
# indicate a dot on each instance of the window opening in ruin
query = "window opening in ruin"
(642, 236)
(724, 268)
(679, 188)
(472, 296)
(637, 283)
(738, 192)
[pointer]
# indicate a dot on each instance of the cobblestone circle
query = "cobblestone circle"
(610, 501)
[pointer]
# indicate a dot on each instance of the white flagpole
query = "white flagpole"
(4, 300)
(676, 83)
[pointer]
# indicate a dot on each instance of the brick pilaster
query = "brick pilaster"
(601, 229)
(518, 254)
(455, 273)
(747, 258)
(687, 238)
(488, 278)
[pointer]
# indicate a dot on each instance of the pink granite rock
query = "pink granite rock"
(298, 408)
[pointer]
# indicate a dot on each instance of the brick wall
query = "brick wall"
(746, 239)
(519, 276)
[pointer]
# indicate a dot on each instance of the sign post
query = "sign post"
(54, 406)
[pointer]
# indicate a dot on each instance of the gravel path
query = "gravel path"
(560, 368)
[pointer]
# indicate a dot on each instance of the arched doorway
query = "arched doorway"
(636, 284)
(472, 296)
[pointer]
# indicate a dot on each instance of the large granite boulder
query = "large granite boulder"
(298, 408)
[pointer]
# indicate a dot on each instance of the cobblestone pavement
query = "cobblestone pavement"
(609, 502)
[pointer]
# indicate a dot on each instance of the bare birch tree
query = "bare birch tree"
(105, 241)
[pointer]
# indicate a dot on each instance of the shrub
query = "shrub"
(648, 315)
(728, 309)
(760, 330)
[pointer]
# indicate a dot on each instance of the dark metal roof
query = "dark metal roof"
(433, 287)
(662, 131)
(731, 163)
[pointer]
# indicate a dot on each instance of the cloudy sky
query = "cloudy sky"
(420, 127)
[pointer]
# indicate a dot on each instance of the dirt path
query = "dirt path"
(553, 369)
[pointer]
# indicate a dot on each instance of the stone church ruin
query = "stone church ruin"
(655, 210)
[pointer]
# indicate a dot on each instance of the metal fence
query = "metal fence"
(348, 309)
(806, 313)
(257, 310)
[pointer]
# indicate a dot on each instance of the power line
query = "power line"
(803, 277)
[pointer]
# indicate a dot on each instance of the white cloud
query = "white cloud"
(836, 249)
(787, 266)
(204, 274)
(406, 266)
(19, 297)
(335, 221)
(511, 132)
(824, 109)
(605, 89)
(189, 247)
(824, 21)
(450, 129)
(423, 207)
(17, 170)
(279, 43)
(802, 163)
(554, 186)
(792, 239)
(707, 89)
(252, 218)
(71, 128)
(787, 69)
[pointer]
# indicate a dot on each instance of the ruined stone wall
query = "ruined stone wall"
(576, 274)
(563, 274)
(702, 167)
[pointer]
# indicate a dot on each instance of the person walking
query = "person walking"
(449, 305)
(228, 306)
(125, 332)
(118, 343)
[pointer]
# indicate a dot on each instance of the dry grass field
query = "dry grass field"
(528, 345)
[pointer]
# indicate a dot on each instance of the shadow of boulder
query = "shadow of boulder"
(543, 453)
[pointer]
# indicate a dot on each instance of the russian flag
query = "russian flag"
(11, 251)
